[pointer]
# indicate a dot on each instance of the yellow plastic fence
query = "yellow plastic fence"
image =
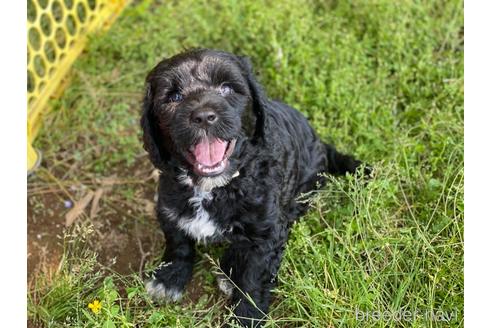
(57, 32)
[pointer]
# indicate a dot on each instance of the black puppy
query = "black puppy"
(232, 163)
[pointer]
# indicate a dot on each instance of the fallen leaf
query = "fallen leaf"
(108, 182)
(78, 208)
(95, 202)
(106, 185)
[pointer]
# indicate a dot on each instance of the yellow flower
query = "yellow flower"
(95, 306)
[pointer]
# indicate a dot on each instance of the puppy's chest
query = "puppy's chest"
(194, 214)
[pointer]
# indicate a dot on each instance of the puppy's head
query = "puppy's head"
(198, 108)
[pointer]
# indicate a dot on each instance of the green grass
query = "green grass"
(381, 79)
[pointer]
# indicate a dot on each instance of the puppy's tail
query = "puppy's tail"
(340, 164)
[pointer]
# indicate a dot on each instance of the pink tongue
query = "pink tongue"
(210, 152)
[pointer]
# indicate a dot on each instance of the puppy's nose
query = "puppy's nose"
(203, 117)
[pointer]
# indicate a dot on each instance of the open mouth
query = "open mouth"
(210, 156)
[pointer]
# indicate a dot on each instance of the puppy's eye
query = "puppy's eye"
(225, 90)
(175, 97)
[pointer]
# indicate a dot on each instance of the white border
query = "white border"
(478, 169)
(13, 229)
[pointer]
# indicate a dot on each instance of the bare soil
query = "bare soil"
(126, 233)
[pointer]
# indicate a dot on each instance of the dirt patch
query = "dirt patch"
(126, 232)
(45, 228)
(125, 244)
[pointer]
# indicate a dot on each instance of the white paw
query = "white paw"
(225, 285)
(158, 292)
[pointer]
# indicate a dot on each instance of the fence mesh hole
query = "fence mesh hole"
(71, 25)
(46, 24)
(39, 66)
(34, 38)
(81, 12)
(30, 81)
(31, 11)
(92, 4)
(49, 51)
(61, 41)
(43, 3)
(57, 11)
(68, 3)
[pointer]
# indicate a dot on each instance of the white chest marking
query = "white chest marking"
(198, 226)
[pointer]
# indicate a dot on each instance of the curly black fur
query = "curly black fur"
(252, 203)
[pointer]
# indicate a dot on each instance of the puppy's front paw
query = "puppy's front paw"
(169, 280)
(159, 292)
(225, 285)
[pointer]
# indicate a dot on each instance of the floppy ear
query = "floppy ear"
(259, 98)
(152, 139)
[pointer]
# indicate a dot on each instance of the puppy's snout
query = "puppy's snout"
(203, 117)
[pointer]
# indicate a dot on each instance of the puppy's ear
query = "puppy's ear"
(152, 139)
(259, 98)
